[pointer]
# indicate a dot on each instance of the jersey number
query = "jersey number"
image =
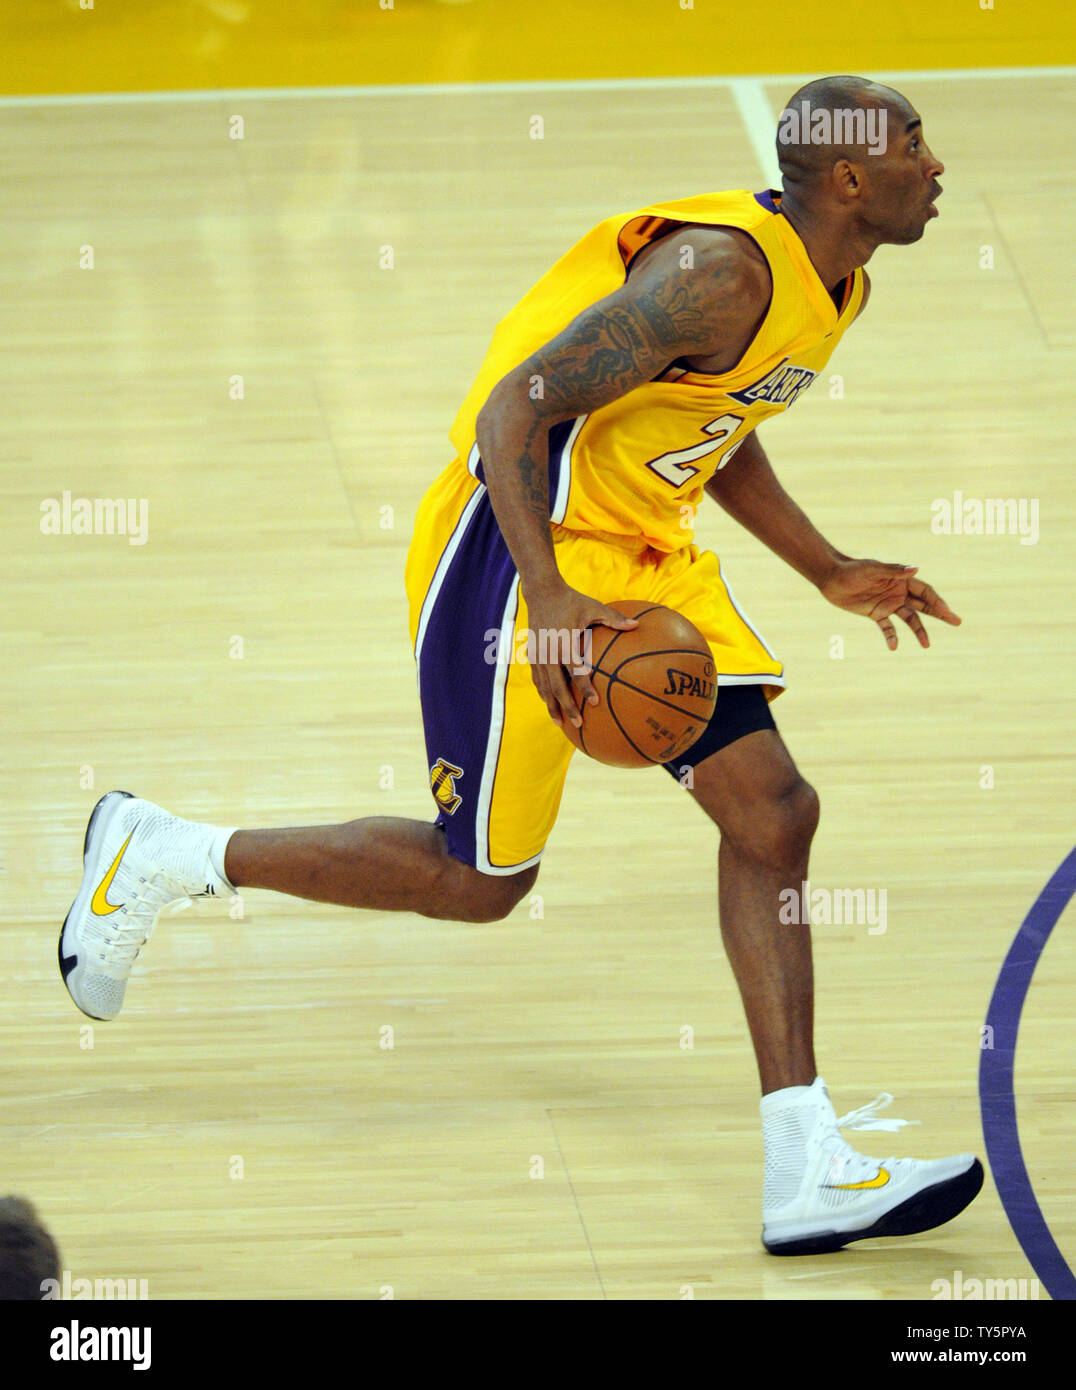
(676, 468)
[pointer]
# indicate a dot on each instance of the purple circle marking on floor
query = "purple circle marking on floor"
(997, 1100)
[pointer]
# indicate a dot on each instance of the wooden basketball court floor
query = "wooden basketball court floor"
(540, 1126)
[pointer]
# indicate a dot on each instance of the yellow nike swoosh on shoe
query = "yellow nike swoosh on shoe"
(879, 1181)
(100, 904)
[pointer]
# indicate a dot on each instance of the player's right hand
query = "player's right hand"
(558, 623)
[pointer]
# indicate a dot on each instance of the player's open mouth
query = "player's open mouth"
(932, 210)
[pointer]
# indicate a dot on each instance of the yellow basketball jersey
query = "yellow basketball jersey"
(638, 466)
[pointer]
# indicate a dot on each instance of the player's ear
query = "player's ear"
(847, 179)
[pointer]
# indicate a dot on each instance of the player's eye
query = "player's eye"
(915, 142)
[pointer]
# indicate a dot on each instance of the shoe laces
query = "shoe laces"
(157, 892)
(844, 1161)
(866, 1117)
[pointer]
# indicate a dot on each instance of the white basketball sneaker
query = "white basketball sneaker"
(138, 861)
(819, 1193)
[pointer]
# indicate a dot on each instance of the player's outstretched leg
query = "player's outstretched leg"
(818, 1193)
(140, 860)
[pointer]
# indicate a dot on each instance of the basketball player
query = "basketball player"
(628, 382)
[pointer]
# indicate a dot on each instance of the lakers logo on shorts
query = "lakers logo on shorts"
(443, 786)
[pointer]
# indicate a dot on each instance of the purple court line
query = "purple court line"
(996, 1099)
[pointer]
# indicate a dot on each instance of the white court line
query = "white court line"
(611, 84)
(760, 121)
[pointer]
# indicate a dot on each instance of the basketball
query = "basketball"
(656, 689)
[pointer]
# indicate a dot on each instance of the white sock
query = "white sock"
(215, 875)
(788, 1119)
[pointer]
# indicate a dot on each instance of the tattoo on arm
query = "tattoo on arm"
(533, 466)
(623, 341)
(664, 312)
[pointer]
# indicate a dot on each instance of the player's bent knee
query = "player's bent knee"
(793, 821)
(780, 829)
(491, 897)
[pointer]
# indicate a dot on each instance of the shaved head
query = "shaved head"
(856, 171)
(835, 118)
